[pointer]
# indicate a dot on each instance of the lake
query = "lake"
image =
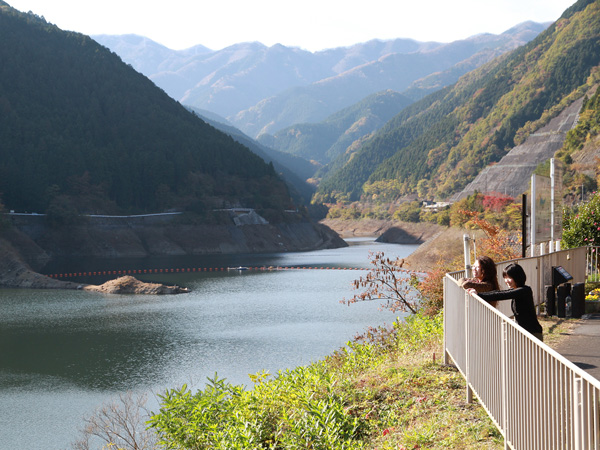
(66, 353)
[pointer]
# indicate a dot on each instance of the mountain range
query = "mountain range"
(262, 89)
(112, 135)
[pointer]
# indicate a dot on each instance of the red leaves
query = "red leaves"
(497, 203)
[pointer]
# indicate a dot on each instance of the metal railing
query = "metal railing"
(537, 398)
(593, 263)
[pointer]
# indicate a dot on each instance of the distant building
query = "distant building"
(435, 205)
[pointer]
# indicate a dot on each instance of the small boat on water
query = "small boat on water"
(237, 268)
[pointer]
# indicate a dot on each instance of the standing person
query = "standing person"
(521, 296)
(485, 277)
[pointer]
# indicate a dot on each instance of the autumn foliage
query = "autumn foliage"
(497, 203)
(498, 243)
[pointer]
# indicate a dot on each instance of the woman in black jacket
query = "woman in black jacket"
(521, 296)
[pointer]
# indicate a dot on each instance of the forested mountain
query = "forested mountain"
(263, 89)
(238, 77)
(435, 146)
(294, 170)
(82, 131)
(326, 140)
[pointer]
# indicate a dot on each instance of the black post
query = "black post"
(562, 292)
(578, 300)
(524, 226)
(550, 300)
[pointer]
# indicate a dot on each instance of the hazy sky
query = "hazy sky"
(309, 24)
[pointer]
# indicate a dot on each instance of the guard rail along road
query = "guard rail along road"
(537, 398)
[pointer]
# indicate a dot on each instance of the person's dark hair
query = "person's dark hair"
(488, 268)
(515, 272)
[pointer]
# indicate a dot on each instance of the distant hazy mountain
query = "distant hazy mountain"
(144, 54)
(263, 89)
(395, 71)
(521, 34)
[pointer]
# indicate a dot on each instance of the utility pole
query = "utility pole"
(524, 226)
(551, 205)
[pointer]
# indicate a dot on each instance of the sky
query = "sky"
(309, 24)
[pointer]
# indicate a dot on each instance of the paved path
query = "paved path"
(582, 347)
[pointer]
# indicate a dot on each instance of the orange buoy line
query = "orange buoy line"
(202, 269)
(191, 269)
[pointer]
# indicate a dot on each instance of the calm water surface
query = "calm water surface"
(65, 353)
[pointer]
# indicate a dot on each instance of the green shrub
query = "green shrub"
(581, 226)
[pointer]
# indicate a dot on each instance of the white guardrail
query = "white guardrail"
(537, 398)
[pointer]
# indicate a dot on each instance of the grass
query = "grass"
(416, 401)
(420, 403)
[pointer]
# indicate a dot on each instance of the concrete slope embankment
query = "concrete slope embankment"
(512, 174)
(178, 240)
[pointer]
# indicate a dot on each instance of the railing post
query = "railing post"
(577, 419)
(467, 359)
(504, 377)
(446, 356)
(467, 255)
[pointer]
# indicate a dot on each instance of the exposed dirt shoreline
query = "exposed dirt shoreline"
(21, 255)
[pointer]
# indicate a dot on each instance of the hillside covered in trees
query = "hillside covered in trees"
(437, 145)
(328, 139)
(83, 132)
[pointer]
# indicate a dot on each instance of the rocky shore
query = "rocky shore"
(391, 231)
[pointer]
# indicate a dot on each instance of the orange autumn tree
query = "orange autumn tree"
(499, 244)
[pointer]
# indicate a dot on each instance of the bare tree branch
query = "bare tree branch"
(120, 424)
(386, 280)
